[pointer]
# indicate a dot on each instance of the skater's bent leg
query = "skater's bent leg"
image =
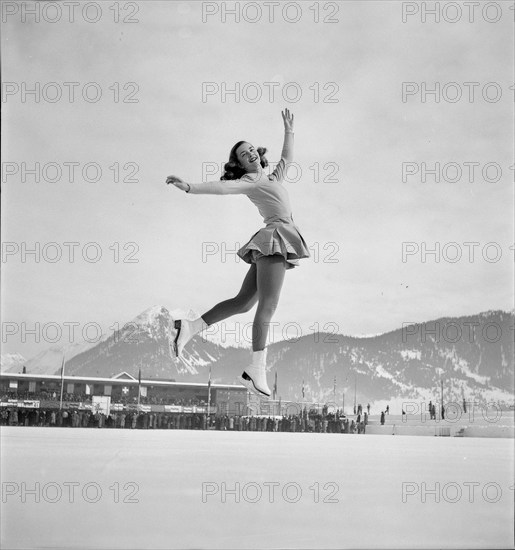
(243, 302)
(270, 277)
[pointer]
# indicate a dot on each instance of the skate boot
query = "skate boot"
(254, 377)
(181, 332)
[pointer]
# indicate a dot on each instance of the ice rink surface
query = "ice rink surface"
(193, 489)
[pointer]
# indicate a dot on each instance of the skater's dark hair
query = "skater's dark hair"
(233, 169)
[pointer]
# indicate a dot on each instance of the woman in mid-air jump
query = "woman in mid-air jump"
(271, 251)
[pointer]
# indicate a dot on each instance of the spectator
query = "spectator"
(304, 421)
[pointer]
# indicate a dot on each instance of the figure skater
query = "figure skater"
(270, 252)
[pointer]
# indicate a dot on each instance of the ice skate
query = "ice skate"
(254, 376)
(181, 332)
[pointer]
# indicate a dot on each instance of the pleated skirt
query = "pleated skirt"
(279, 237)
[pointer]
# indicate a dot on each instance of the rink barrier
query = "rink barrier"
(442, 431)
(489, 431)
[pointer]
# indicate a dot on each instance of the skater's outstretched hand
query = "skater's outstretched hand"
(288, 120)
(182, 185)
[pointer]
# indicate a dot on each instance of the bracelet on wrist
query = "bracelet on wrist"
(189, 188)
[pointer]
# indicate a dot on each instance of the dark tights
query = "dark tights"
(262, 284)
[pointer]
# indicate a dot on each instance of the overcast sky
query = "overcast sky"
(351, 123)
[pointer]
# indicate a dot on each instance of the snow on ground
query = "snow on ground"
(411, 354)
(463, 365)
(383, 373)
(373, 491)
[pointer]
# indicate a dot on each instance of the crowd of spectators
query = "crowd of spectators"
(329, 423)
(291, 423)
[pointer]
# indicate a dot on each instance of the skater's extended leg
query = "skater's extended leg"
(270, 278)
(244, 301)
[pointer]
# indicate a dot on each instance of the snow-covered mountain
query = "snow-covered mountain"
(473, 355)
(50, 360)
(143, 344)
(10, 361)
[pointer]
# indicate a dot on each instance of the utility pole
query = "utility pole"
(62, 382)
(441, 388)
(355, 389)
(208, 398)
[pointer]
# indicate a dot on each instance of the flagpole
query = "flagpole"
(274, 397)
(355, 386)
(139, 387)
(303, 394)
(442, 413)
(209, 398)
(62, 383)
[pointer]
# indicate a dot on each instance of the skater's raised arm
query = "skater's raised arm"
(287, 152)
(222, 187)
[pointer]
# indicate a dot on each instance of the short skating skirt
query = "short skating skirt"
(282, 238)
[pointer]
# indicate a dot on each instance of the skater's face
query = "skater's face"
(248, 157)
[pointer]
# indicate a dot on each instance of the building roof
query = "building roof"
(117, 379)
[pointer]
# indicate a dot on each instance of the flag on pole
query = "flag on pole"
(303, 392)
(275, 386)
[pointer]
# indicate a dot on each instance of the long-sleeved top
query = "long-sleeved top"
(266, 192)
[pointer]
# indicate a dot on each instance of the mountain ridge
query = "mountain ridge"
(473, 354)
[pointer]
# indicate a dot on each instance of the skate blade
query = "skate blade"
(250, 386)
(173, 336)
(178, 329)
